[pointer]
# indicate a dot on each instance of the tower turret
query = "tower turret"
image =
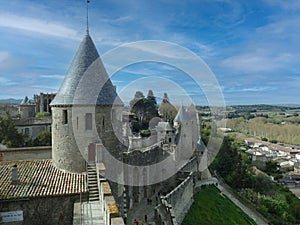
(78, 91)
(187, 125)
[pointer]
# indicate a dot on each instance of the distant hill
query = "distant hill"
(10, 101)
(290, 105)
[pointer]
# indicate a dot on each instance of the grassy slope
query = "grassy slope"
(210, 207)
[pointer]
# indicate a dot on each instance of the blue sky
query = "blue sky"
(252, 47)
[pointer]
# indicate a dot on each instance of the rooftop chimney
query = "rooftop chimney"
(14, 175)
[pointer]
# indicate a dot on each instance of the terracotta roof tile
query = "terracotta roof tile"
(39, 178)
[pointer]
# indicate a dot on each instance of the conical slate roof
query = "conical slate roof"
(84, 79)
(182, 115)
(25, 101)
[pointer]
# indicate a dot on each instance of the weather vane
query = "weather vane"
(87, 16)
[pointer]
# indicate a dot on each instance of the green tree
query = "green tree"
(144, 109)
(9, 134)
(205, 133)
(137, 96)
(43, 139)
(230, 165)
(166, 110)
(263, 184)
(41, 114)
(271, 167)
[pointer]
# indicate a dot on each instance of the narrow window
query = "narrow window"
(170, 140)
(113, 114)
(88, 121)
(65, 117)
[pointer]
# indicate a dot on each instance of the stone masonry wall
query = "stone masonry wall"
(178, 201)
(46, 211)
(30, 153)
(65, 152)
(109, 129)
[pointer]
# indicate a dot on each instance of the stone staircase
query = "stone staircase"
(89, 212)
(92, 183)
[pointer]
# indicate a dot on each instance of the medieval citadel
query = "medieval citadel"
(100, 171)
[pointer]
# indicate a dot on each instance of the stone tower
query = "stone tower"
(26, 108)
(188, 127)
(96, 109)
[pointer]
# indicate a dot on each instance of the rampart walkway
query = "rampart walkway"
(88, 214)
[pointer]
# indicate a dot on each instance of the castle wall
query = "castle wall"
(33, 130)
(146, 157)
(187, 140)
(176, 204)
(149, 141)
(42, 102)
(46, 211)
(142, 142)
(27, 111)
(109, 128)
(28, 153)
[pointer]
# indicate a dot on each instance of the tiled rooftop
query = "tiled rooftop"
(275, 147)
(39, 178)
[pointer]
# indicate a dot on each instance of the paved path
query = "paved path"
(248, 211)
(139, 212)
(87, 214)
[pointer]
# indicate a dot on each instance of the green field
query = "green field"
(211, 207)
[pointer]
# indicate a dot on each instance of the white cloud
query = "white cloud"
(7, 62)
(280, 29)
(117, 20)
(290, 4)
(53, 76)
(37, 25)
(3, 56)
(257, 62)
(6, 82)
(249, 89)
